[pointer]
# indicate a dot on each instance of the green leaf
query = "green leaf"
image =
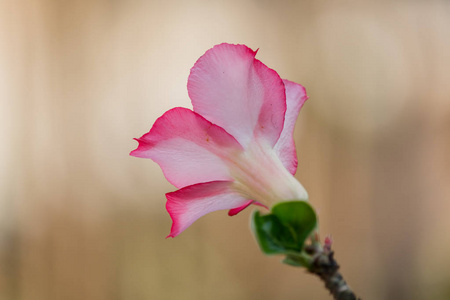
(285, 230)
(296, 261)
(273, 237)
(299, 216)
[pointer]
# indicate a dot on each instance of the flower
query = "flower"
(236, 147)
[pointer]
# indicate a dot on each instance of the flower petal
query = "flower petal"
(285, 146)
(235, 211)
(232, 89)
(188, 148)
(187, 205)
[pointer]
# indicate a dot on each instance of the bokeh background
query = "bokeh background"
(80, 219)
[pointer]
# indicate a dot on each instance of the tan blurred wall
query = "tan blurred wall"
(80, 219)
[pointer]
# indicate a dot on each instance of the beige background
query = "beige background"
(80, 219)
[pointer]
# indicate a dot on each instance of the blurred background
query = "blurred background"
(80, 219)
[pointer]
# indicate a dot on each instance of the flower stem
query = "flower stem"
(325, 266)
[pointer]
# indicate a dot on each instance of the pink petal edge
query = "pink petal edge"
(235, 211)
(285, 146)
(232, 89)
(188, 148)
(188, 204)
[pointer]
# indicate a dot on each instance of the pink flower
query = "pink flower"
(236, 147)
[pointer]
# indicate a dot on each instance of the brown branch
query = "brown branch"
(325, 266)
